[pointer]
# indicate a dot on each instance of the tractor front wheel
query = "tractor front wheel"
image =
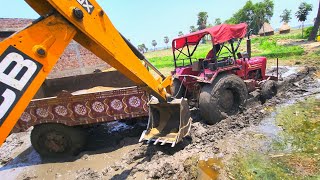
(226, 96)
(268, 90)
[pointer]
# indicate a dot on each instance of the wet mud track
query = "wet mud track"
(117, 155)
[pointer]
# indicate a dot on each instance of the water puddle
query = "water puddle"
(290, 71)
(268, 125)
(289, 147)
(284, 71)
(209, 169)
(117, 126)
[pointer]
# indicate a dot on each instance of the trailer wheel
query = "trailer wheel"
(178, 90)
(268, 90)
(224, 97)
(57, 140)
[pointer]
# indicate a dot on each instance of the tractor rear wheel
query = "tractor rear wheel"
(226, 96)
(57, 140)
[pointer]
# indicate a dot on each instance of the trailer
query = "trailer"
(63, 106)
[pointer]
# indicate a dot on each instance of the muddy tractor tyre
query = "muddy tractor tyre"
(57, 140)
(268, 90)
(226, 96)
(178, 90)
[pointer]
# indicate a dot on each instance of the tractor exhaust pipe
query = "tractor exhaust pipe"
(249, 44)
(249, 48)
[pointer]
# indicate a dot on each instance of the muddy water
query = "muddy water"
(91, 165)
(18, 154)
(209, 169)
(102, 160)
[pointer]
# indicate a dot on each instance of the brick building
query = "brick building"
(75, 60)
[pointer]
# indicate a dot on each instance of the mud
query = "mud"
(115, 154)
(203, 138)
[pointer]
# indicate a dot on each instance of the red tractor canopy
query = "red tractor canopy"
(220, 34)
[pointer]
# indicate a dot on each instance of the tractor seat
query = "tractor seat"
(221, 63)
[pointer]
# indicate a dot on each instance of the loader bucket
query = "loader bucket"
(168, 122)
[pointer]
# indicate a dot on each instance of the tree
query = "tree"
(202, 20)
(263, 13)
(217, 21)
(192, 29)
(303, 12)
(314, 31)
(154, 44)
(142, 48)
(180, 33)
(253, 14)
(286, 16)
(245, 14)
(166, 40)
(268, 7)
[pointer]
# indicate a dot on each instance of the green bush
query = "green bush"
(307, 32)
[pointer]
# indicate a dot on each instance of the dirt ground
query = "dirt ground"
(113, 151)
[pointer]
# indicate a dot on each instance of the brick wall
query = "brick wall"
(75, 60)
(13, 24)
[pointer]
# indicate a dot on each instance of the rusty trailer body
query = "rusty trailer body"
(95, 102)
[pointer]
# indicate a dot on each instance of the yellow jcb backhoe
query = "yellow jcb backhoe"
(28, 56)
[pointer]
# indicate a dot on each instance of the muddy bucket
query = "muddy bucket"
(168, 122)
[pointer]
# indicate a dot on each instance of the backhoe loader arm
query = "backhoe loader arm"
(96, 32)
(28, 56)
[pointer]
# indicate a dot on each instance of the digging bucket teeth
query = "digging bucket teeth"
(168, 122)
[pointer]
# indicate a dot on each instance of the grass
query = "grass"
(301, 124)
(310, 59)
(297, 151)
(164, 58)
(295, 34)
(271, 49)
(257, 166)
(313, 58)
(261, 46)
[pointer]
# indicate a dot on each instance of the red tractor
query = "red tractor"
(219, 83)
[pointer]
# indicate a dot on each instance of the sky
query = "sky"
(142, 21)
